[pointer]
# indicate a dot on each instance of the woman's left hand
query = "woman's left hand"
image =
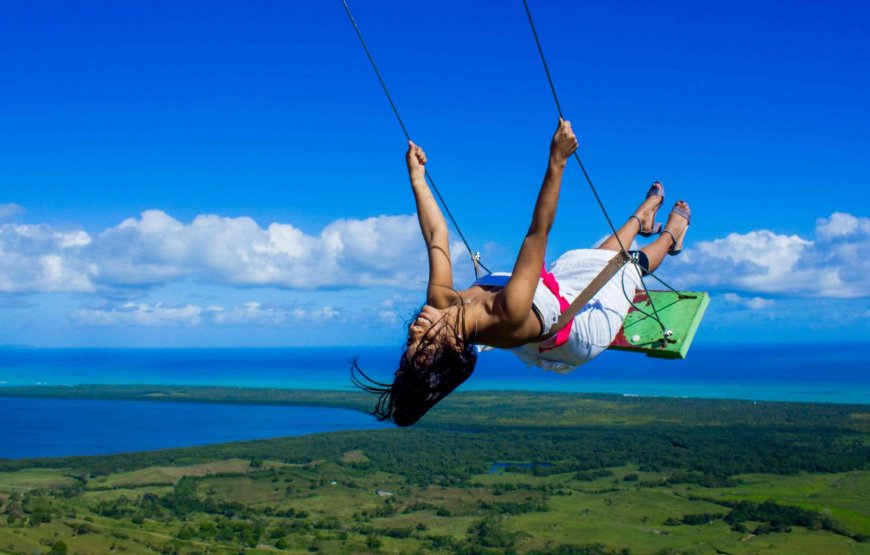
(416, 159)
(564, 142)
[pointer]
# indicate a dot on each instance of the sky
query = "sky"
(212, 174)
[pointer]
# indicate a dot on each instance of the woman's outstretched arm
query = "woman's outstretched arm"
(434, 229)
(516, 300)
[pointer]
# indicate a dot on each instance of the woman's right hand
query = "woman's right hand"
(564, 142)
(416, 159)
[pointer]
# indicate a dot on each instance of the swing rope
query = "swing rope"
(665, 332)
(562, 115)
(475, 256)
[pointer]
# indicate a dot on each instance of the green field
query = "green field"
(580, 474)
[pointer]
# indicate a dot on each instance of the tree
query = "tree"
(373, 542)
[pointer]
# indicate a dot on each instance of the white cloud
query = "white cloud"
(141, 314)
(386, 251)
(397, 308)
(158, 314)
(156, 249)
(752, 303)
(841, 224)
(9, 210)
(256, 313)
(38, 258)
(836, 263)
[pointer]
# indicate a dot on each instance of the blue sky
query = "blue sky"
(177, 174)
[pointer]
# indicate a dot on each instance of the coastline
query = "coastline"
(781, 373)
(343, 396)
(474, 413)
(689, 456)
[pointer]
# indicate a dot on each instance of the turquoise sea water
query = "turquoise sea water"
(814, 373)
(42, 427)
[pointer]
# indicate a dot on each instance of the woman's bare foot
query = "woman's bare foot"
(646, 212)
(678, 223)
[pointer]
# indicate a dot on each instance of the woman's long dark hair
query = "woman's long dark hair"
(437, 367)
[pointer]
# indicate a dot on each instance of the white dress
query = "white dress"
(597, 324)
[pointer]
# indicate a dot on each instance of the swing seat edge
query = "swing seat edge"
(641, 333)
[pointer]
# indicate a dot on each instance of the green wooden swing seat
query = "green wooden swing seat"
(680, 313)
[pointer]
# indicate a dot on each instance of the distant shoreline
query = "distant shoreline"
(352, 400)
(193, 394)
(839, 375)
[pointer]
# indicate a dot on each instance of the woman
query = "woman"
(516, 311)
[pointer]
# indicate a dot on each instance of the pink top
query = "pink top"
(561, 337)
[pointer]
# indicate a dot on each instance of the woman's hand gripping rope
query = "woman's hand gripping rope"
(416, 160)
(564, 142)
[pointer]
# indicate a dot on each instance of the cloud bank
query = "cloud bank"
(752, 303)
(190, 315)
(156, 249)
(9, 210)
(834, 264)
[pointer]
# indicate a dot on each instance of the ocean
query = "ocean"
(801, 372)
(64, 427)
(58, 427)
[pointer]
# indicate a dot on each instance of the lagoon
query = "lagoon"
(64, 427)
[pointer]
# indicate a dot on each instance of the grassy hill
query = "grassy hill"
(590, 474)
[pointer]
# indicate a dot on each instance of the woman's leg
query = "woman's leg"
(657, 250)
(626, 235)
(645, 213)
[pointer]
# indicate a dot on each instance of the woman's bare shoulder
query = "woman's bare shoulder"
(497, 330)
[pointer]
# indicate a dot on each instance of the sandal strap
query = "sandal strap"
(686, 214)
(656, 191)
